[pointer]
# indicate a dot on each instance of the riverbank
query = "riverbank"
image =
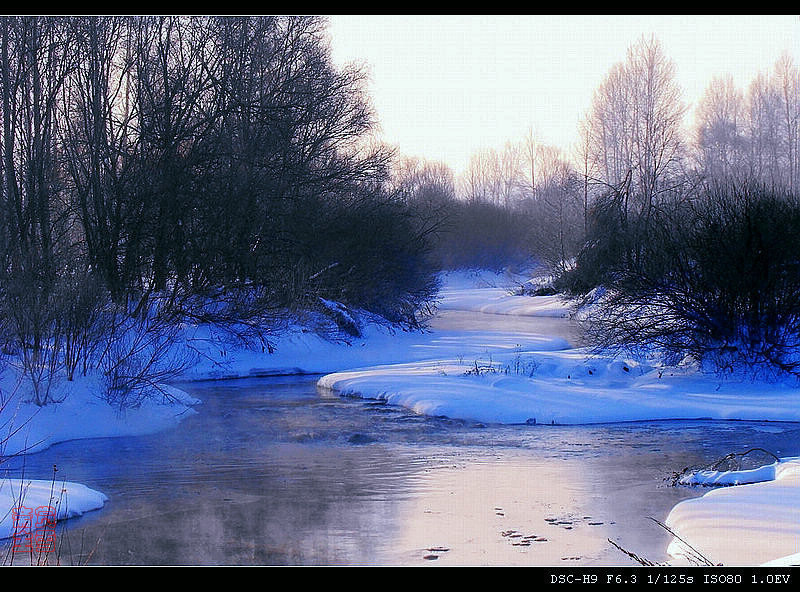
(510, 375)
(572, 386)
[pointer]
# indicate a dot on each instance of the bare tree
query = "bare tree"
(720, 140)
(787, 80)
(477, 181)
(35, 66)
(530, 147)
(98, 139)
(423, 182)
(752, 137)
(635, 124)
(558, 209)
(763, 125)
(510, 174)
(583, 153)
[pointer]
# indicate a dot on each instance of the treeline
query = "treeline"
(522, 207)
(157, 170)
(681, 237)
(692, 247)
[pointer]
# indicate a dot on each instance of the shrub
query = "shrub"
(716, 278)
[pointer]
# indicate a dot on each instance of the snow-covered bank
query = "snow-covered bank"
(81, 413)
(563, 387)
(752, 523)
(512, 375)
(496, 294)
(68, 500)
(301, 351)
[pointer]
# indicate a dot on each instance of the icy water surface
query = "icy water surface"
(272, 472)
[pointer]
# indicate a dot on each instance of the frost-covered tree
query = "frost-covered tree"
(635, 125)
(721, 142)
(751, 136)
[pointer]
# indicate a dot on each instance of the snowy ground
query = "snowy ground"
(754, 522)
(487, 376)
(26, 496)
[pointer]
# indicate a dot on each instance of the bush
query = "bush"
(365, 253)
(607, 244)
(716, 278)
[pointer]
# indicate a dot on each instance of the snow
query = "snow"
(488, 376)
(710, 478)
(754, 523)
(560, 387)
(67, 499)
(81, 413)
(493, 293)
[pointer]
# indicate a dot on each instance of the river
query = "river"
(273, 472)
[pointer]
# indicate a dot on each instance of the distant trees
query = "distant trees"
(555, 208)
(634, 143)
(526, 196)
(752, 136)
(787, 79)
(470, 230)
(511, 207)
(721, 143)
(163, 168)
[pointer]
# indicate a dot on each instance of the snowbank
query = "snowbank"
(67, 499)
(513, 377)
(563, 387)
(27, 428)
(81, 413)
(753, 523)
(495, 294)
(709, 478)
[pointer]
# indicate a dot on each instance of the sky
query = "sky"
(447, 86)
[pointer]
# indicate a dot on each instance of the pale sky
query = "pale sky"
(447, 86)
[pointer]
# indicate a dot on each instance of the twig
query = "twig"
(697, 554)
(632, 555)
